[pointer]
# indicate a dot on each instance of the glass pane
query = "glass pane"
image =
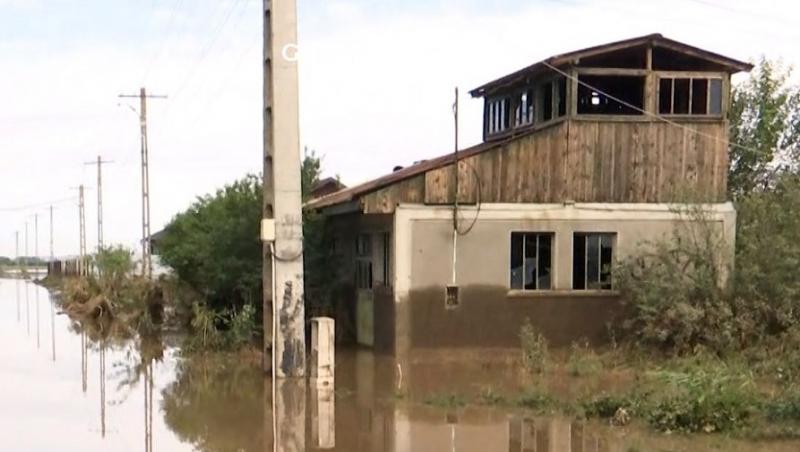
(699, 96)
(517, 244)
(530, 261)
(665, 96)
(545, 261)
(606, 260)
(547, 101)
(681, 105)
(592, 261)
(562, 97)
(715, 106)
(579, 262)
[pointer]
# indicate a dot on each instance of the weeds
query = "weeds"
(703, 401)
(583, 361)
(446, 401)
(535, 354)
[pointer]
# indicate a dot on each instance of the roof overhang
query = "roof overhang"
(655, 40)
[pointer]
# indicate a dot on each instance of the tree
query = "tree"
(215, 246)
(765, 128)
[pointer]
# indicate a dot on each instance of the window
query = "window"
(387, 253)
(531, 260)
(544, 102)
(497, 115)
(523, 115)
(595, 94)
(684, 96)
(593, 255)
(363, 261)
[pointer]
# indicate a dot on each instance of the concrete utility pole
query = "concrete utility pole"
(282, 228)
(25, 257)
(147, 267)
(36, 234)
(52, 254)
(82, 231)
(100, 162)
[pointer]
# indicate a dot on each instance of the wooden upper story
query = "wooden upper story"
(641, 120)
(635, 79)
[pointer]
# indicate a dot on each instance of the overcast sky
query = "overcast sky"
(376, 81)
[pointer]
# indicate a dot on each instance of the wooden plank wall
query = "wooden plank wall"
(386, 199)
(583, 161)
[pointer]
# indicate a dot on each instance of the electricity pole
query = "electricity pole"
(282, 228)
(100, 162)
(25, 258)
(82, 231)
(52, 254)
(147, 268)
(36, 235)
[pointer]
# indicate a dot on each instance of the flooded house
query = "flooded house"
(585, 156)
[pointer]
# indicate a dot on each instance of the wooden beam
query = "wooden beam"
(611, 71)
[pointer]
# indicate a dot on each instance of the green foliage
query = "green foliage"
(583, 361)
(535, 349)
(672, 290)
(220, 330)
(768, 255)
(606, 406)
(703, 401)
(535, 400)
(319, 260)
(114, 265)
(447, 401)
(784, 409)
(215, 246)
(765, 126)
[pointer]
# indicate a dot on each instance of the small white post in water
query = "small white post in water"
(322, 351)
(323, 414)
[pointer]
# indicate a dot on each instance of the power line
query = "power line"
(37, 205)
(207, 48)
(160, 49)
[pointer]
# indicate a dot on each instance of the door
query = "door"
(365, 298)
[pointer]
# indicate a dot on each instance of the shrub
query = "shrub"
(535, 354)
(703, 401)
(535, 400)
(606, 406)
(672, 290)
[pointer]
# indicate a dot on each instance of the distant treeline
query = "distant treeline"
(20, 261)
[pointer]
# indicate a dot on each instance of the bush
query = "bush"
(607, 406)
(703, 401)
(535, 355)
(215, 246)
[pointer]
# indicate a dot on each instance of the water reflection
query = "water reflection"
(38, 332)
(224, 403)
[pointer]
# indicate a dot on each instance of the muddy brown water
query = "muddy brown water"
(62, 389)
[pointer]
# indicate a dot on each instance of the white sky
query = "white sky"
(376, 87)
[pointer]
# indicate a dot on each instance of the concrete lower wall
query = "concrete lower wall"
(490, 314)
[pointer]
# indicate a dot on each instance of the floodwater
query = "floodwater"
(62, 389)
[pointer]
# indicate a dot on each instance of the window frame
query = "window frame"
(691, 76)
(614, 244)
(502, 122)
(525, 234)
(363, 261)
